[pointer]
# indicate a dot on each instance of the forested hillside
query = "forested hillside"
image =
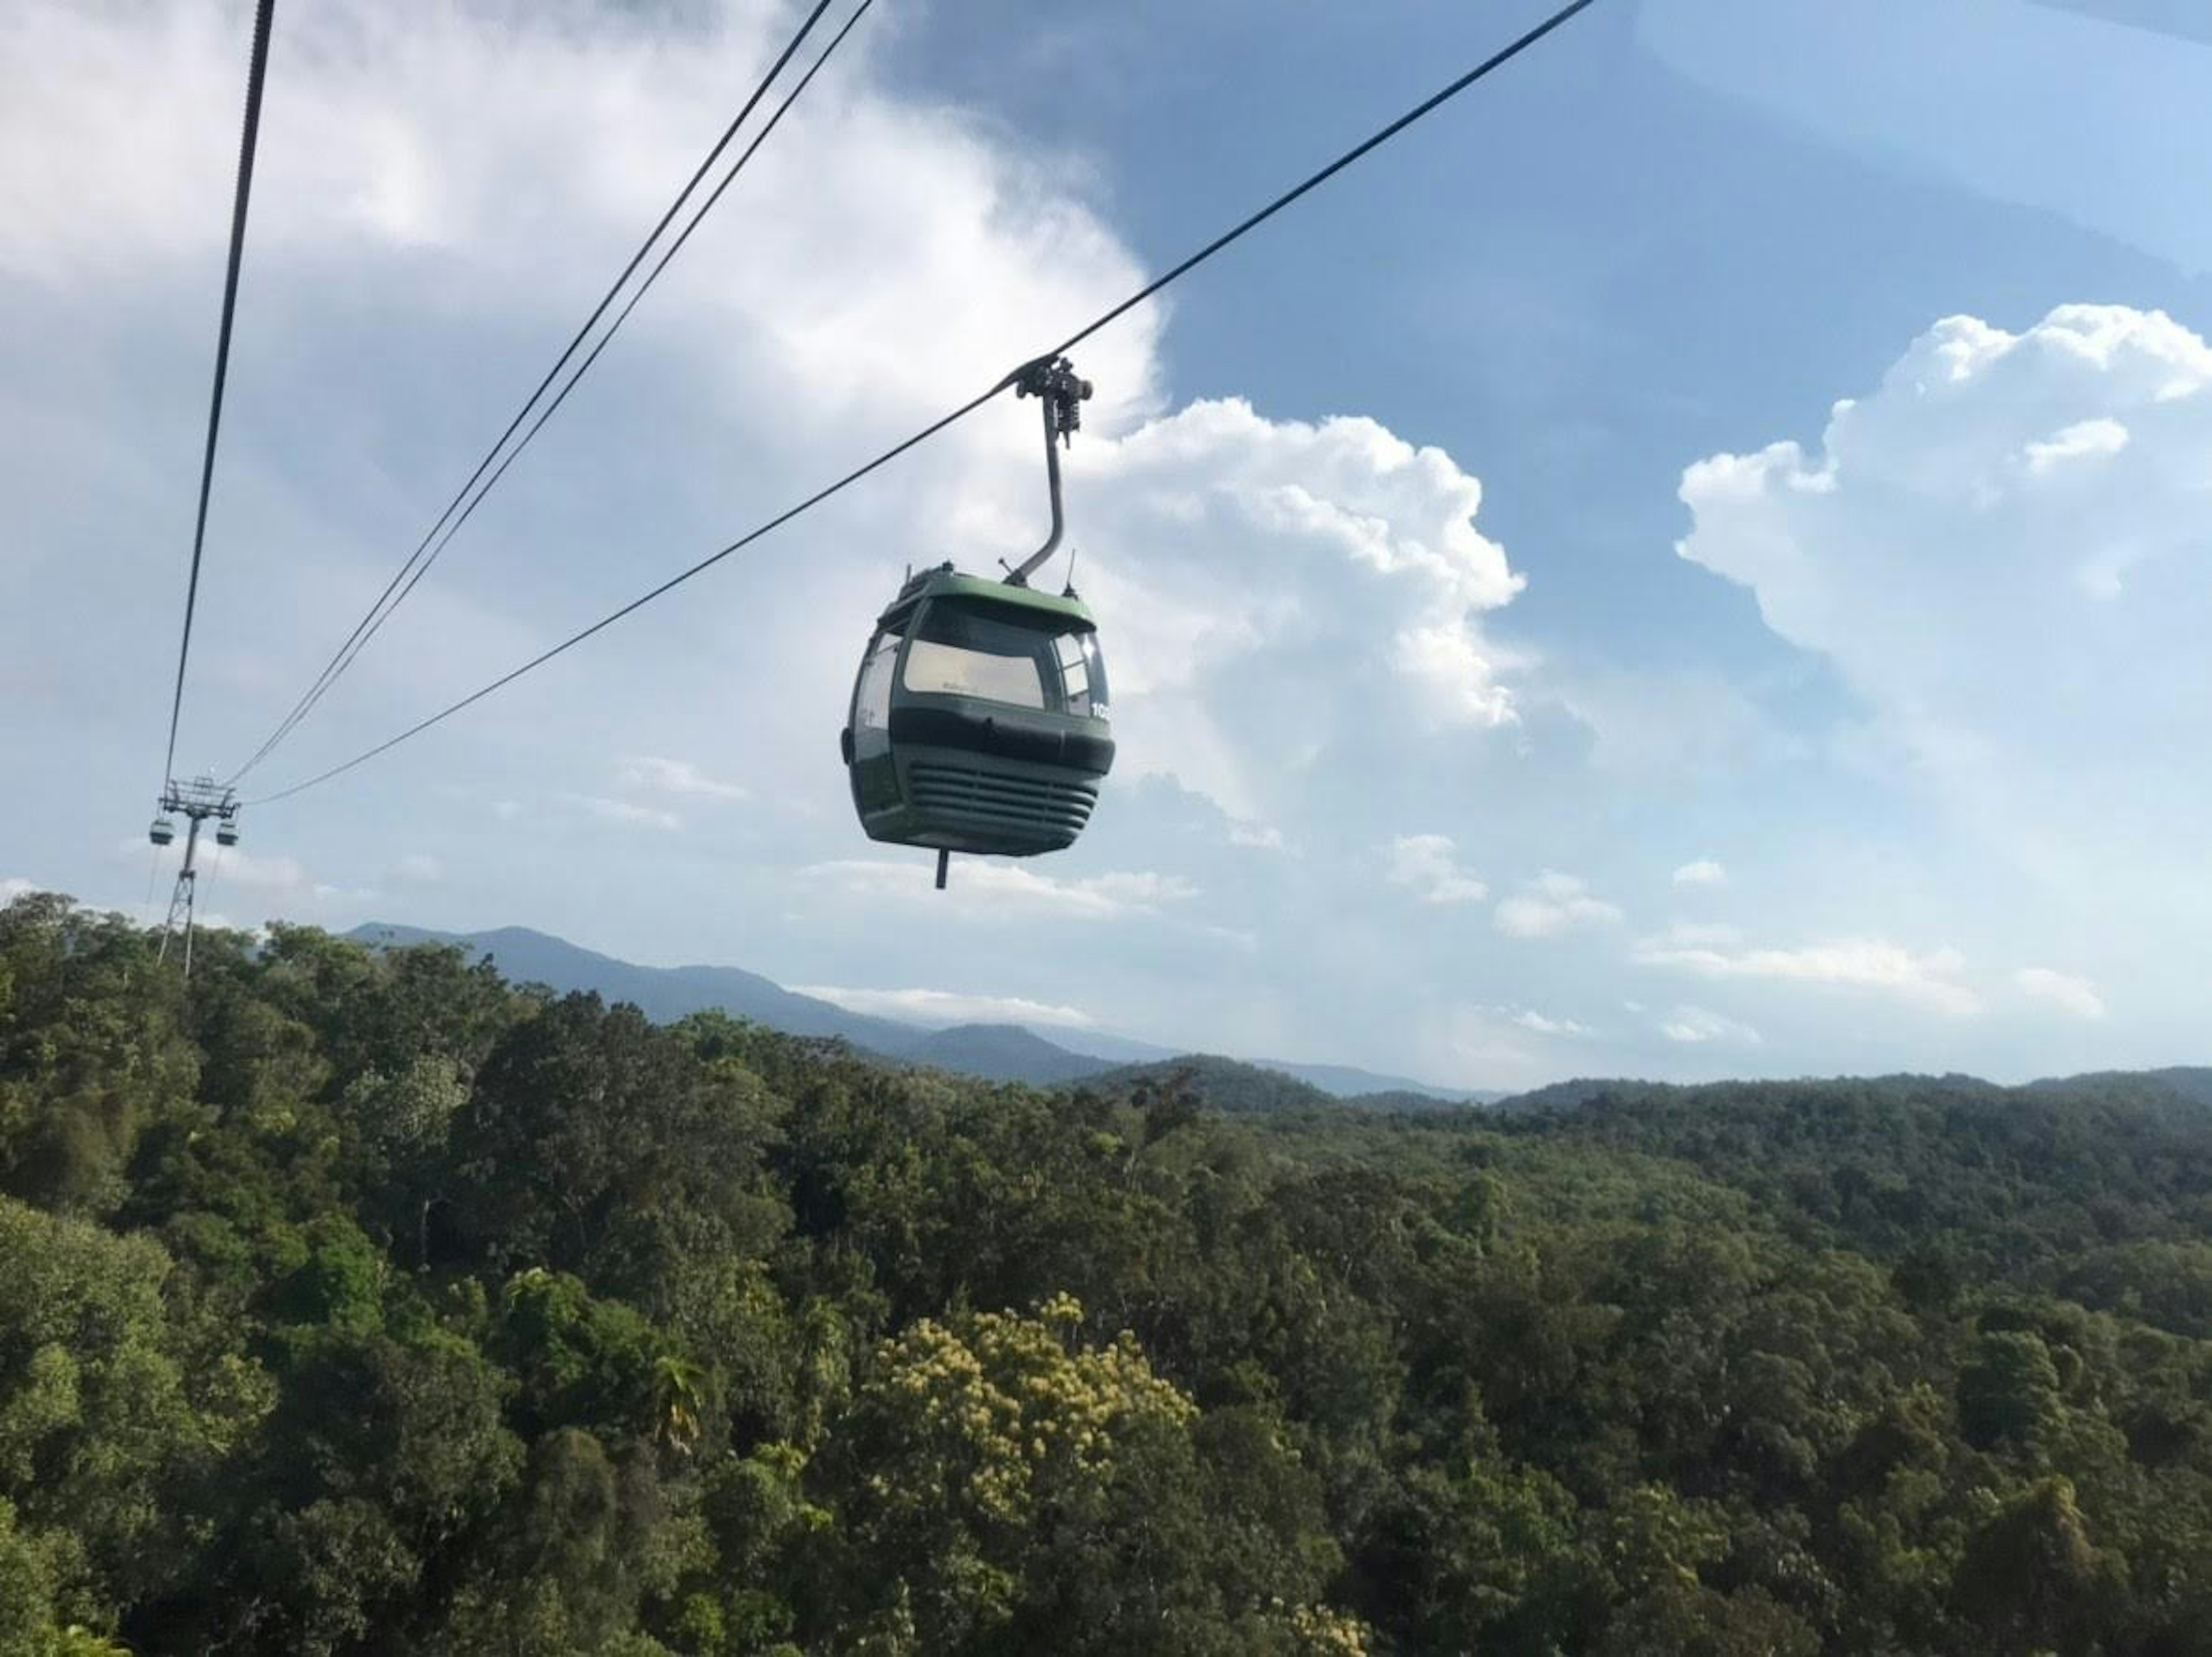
(363, 1303)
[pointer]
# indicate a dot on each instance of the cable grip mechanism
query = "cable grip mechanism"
(1056, 386)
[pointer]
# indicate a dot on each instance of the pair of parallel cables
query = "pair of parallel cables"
(487, 474)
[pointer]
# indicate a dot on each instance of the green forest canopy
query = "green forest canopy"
(365, 1303)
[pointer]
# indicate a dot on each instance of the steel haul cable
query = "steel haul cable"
(248, 140)
(1497, 60)
(447, 525)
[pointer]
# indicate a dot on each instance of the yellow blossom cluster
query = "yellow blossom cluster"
(1000, 1396)
(1317, 1631)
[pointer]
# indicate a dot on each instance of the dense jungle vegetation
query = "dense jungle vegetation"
(368, 1304)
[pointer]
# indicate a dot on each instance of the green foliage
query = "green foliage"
(363, 1303)
(579, 1359)
(2008, 1390)
(95, 1420)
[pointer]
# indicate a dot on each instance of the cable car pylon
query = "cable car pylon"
(201, 800)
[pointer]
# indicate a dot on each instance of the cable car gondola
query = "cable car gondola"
(226, 832)
(979, 718)
(162, 832)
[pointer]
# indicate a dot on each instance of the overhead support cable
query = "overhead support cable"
(248, 142)
(486, 476)
(1382, 136)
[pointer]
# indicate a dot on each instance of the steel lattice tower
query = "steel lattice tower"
(198, 801)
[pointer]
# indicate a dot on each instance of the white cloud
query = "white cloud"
(1552, 904)
(1929, 980)
(1694, 1025)
(2001, 551)
(949, 1007)
(1255, 836)
(1485, 1046)
(274, 879)
(2065, 990)
(1543, 1025)
(668, 776)
(2084, 439)
(1332, 624)
(1428, 864)
(629, 812)
(14, 887)
(981, 889)
(234, 865)
(417, 869)
(1703, 873)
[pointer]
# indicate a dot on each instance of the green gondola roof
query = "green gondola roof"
(945, 582)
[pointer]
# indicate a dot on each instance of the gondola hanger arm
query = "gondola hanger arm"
(1056, 384)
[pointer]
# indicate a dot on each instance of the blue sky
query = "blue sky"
(1499, 700)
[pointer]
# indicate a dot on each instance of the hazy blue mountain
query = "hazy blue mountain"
(1006, 1053)
(662, 992)
(999, 1052)
(1347, 1081)
(1111, 1049)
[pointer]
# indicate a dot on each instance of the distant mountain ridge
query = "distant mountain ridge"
(999, 1052)
(1238, 1088)
(664, 993)
(2192, 1083)
(2181, 1084)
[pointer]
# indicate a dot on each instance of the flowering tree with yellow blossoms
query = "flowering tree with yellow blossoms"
(1008, 1478)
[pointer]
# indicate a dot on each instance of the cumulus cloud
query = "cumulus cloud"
(949, 1007)
(985, 889)
(1428, 864)
(669, 776)
(2002, 551)
(2067, 992)
(1695, 1025)
(417, 869)
(1282, 593)
(1552, 904)
(1703, 873)
(14, 887)
(1929, 980)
